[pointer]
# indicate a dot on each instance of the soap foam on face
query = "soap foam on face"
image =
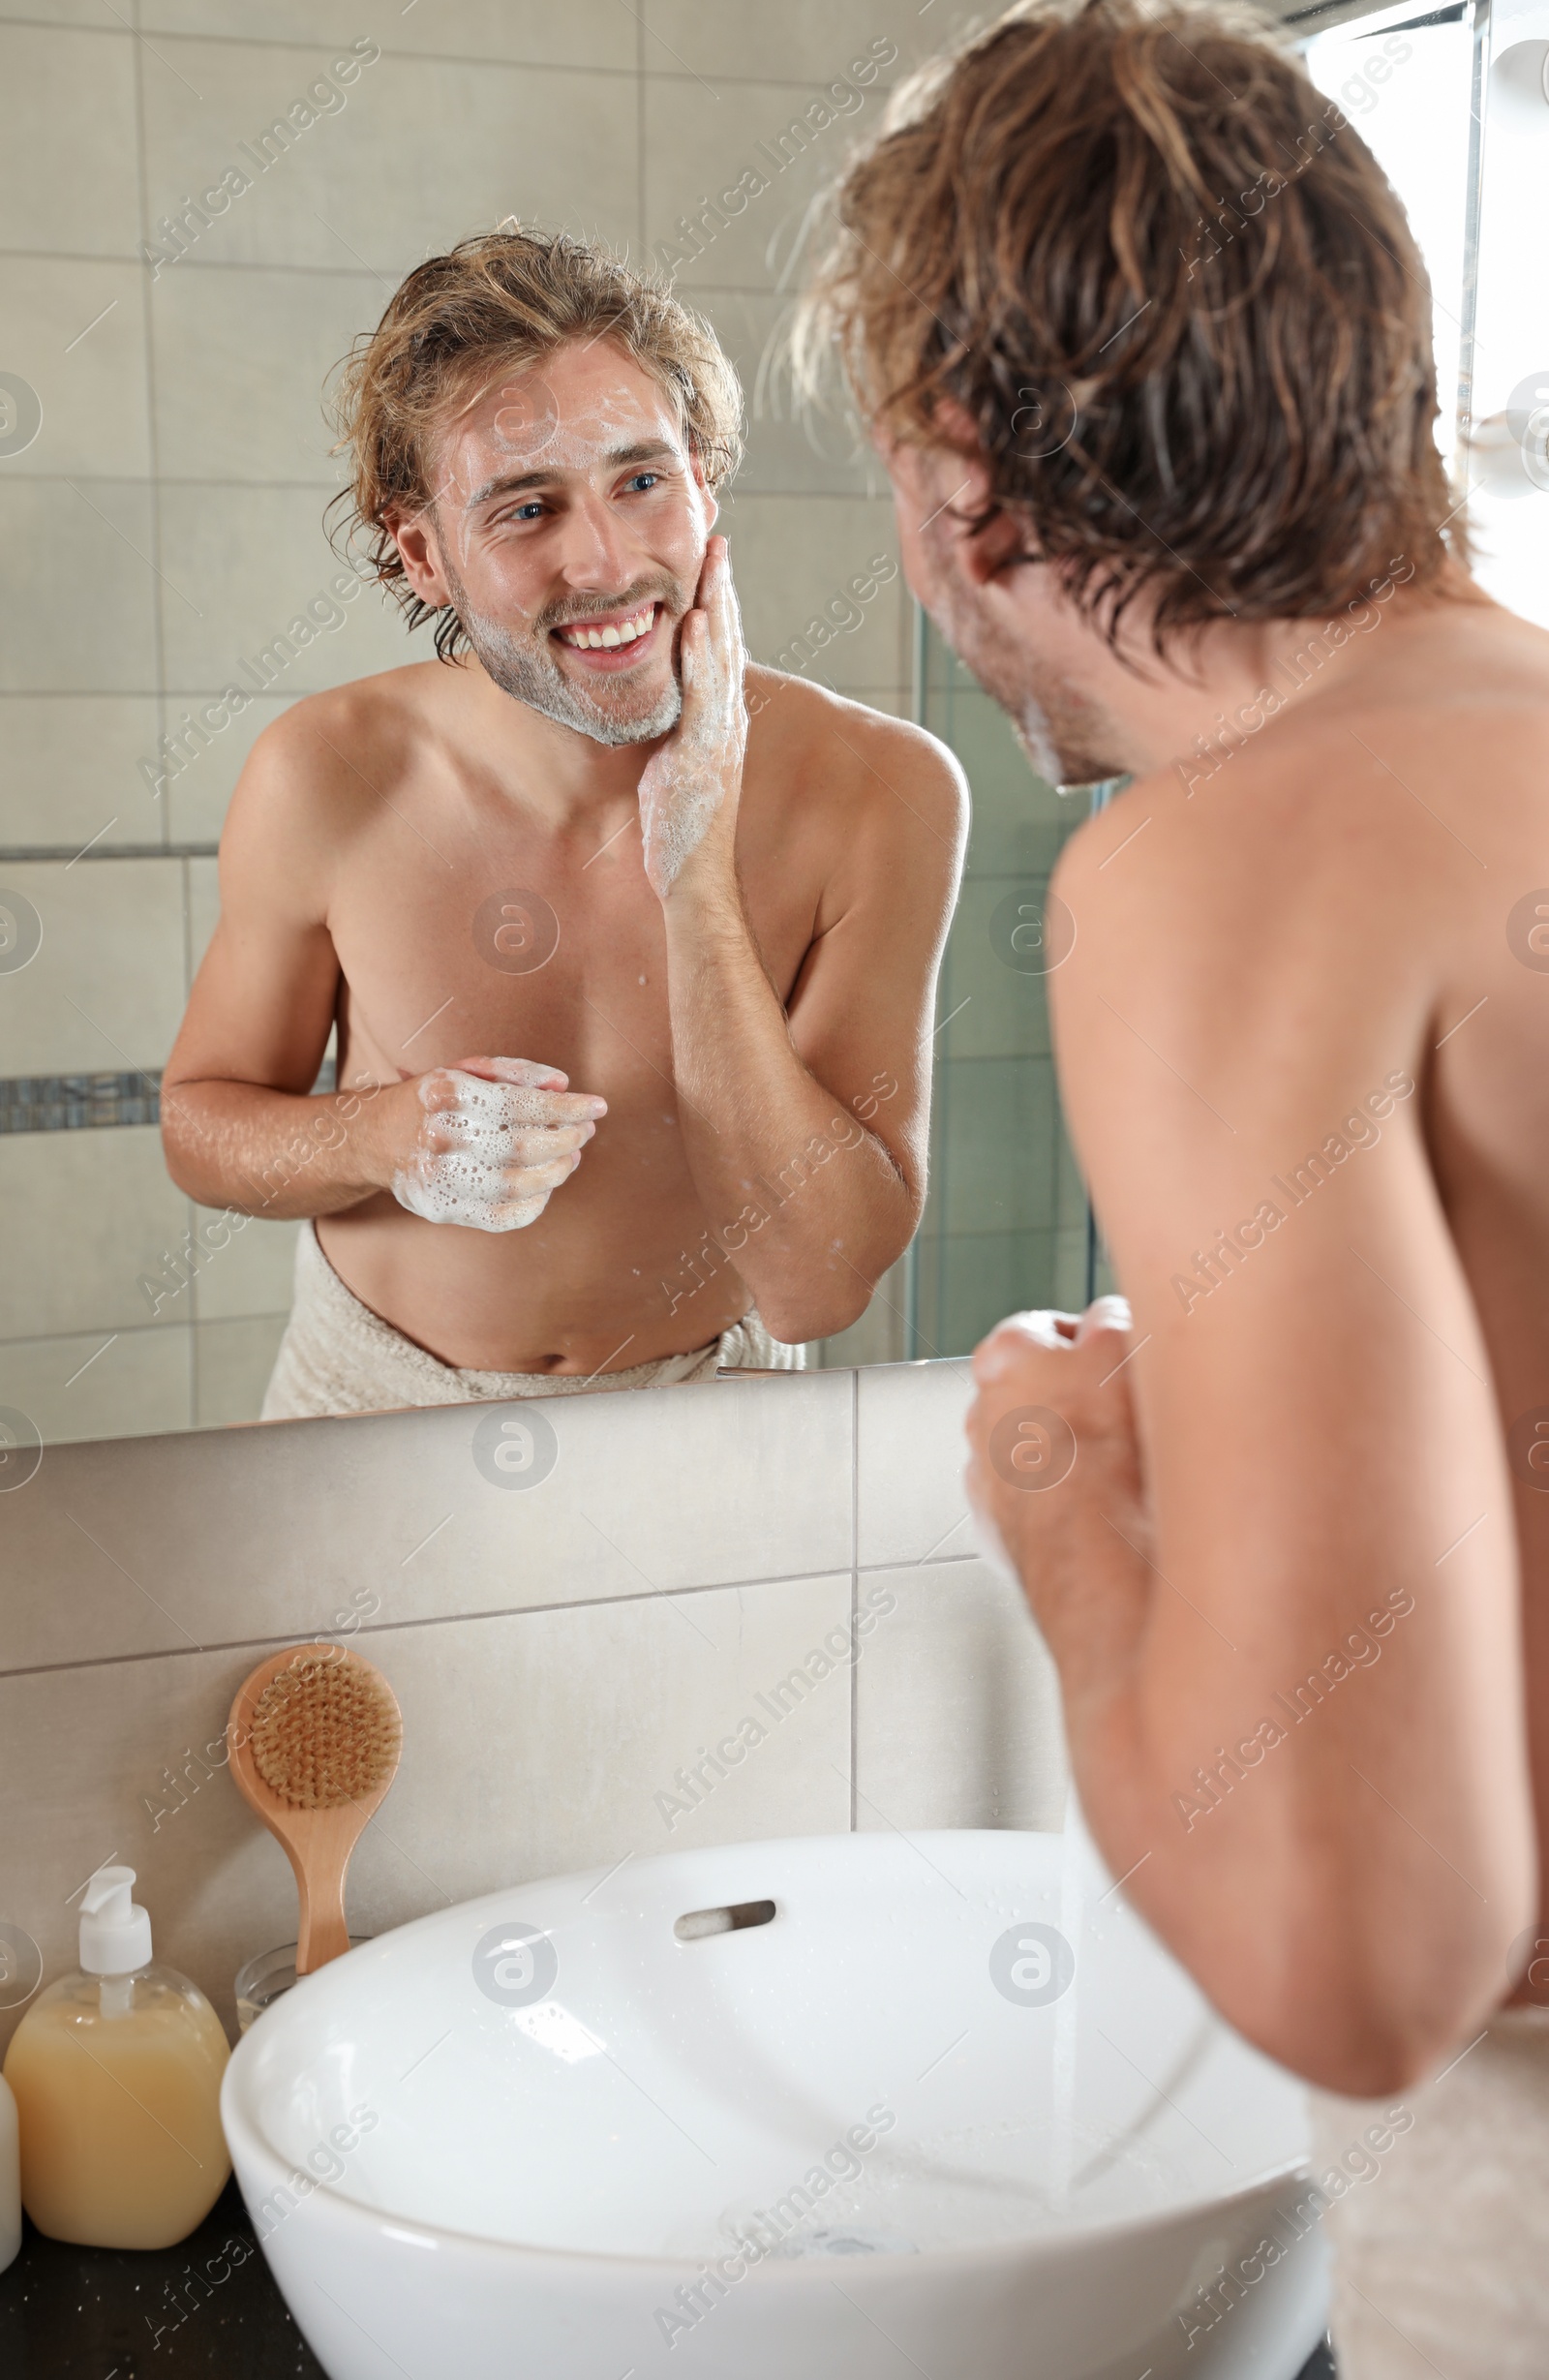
(515, 650)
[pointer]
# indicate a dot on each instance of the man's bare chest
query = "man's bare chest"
(460, 939)
(511, 953)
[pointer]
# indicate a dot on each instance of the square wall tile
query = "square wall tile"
(794, 559)
(106, 986)
(87, 1215)
(197, 788)
(76, 333)
(819, 40)
(732, 169)
(910, 1453)
(250, 1275)
(231, 1367)
(266, 1532)
(533, 1747)
(789, 451)
(66, 166)
(99, 1383)
(574, 1737)
(990, 984)
(69, 768)
(77, 588)
(527, 32)
(995, 1133)
(242, 360)
(270, 616)
(64, 11)
(412, 154)
(969, 1281)
(958, 1712)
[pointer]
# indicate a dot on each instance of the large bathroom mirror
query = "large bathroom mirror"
(201, 214)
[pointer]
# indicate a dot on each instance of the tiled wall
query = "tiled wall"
(165, 525)
(561, 1652)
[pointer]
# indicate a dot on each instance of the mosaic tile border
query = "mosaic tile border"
(92, 1102)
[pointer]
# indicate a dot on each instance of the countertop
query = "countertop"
(204, 2310)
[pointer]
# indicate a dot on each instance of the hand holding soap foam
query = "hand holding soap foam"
(116, 2072)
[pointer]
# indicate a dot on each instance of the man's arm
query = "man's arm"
(806, 1132)
(238, 1124)
(1279, 1576)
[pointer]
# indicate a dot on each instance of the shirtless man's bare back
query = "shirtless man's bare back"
(632, 990)
(1282, 1516)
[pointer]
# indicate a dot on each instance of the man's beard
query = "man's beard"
(1057, 732)
(525, 668)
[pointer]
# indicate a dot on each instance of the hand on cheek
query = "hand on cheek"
(697, 774)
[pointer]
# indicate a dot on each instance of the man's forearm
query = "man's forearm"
(810, 1205)
(1223, 1778)
(260, 1151)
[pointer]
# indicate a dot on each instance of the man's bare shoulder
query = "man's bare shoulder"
(350, 740)
(319, 774)
(853, 764)
(1383, 804)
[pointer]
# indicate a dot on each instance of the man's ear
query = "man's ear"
(994, 549)
(985, 554)
(413, 535)
(707, 494)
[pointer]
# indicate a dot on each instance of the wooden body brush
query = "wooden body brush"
(314, 1735)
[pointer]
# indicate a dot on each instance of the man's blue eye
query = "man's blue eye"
(527, 512)
(644, 480)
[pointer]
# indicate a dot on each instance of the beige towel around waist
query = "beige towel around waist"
(338, 1356)
(1441, 2238)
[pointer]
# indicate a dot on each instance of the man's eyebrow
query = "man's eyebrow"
(645, 451)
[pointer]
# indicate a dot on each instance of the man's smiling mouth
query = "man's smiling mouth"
(609, 634)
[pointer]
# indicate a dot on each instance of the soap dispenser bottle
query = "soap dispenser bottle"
(116, 2072)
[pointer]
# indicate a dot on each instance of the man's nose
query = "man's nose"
(599, 552)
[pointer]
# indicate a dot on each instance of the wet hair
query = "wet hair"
(503, 301)
(1174, 296)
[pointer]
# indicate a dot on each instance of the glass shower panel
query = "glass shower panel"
(1006, 1222)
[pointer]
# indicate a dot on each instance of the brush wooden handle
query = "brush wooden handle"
(318, 1843)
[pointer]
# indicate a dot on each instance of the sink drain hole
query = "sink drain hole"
(695, 1924)
(847, 2239)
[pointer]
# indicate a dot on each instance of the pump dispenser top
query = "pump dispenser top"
(115, 1932)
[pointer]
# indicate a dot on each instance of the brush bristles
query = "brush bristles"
(326, 1731)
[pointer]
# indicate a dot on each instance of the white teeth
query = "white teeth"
(624, 632)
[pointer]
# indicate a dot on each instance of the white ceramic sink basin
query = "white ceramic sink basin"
(949, 2110)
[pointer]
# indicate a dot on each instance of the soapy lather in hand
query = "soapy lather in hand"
(693, 782)
(1080, 1534)
(495, 1137)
